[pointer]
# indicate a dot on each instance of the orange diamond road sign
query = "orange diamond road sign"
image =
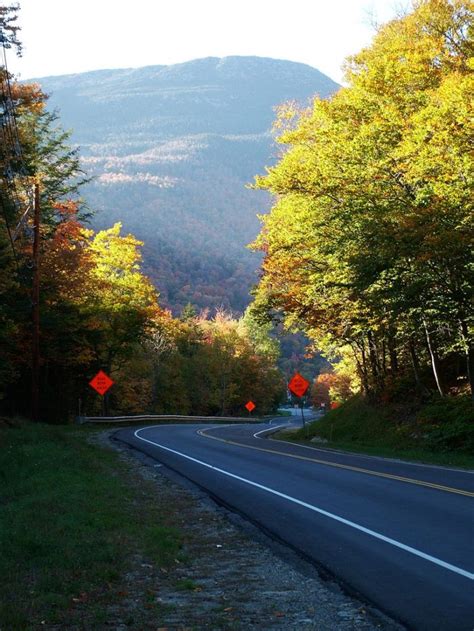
(298, 385)
(250, 405)
(101, 382)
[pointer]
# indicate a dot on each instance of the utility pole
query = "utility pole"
(35, 359)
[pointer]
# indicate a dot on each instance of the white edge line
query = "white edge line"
(372, 533)
(268, 429)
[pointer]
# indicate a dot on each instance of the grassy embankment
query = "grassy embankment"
(441, 432)
(70, 522)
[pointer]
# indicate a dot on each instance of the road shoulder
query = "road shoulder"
(233, 576)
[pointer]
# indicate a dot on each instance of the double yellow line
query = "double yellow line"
(390, 476)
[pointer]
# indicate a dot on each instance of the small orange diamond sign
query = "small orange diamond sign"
(101, 382)
(298, 385)
(250, 405)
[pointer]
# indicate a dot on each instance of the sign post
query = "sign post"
(101, 384)
(250, 405)
(298, 385)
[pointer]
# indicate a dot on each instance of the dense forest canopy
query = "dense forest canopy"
(368, 247)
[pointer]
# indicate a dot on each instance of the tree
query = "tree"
(211, 366)
(366, 246)
(121, 302)
(33, 149)
(8, 27)
(188, 312)
(260, 335)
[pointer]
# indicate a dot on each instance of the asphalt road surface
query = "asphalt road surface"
(400, 535)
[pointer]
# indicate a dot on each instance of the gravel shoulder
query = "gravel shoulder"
(230, 575)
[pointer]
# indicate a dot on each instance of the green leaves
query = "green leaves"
(371, 227)
(213, 366)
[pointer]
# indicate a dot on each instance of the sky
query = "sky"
(70, 36)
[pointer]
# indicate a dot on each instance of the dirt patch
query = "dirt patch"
(227, 577)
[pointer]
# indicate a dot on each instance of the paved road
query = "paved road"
(400, 535)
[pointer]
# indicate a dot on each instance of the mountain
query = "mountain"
(172, 149)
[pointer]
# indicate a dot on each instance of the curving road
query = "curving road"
(401, 535)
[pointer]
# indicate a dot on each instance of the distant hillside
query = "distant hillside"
(172, 148)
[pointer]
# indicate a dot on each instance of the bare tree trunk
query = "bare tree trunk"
(360, 370)
(374, 362)
(363, 370)
(416, 367)
(433, 359)
(384, 357)
(35, 301)
(414, 362)
(469, 352)
(392, 351)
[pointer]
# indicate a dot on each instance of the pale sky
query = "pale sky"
(69, 36)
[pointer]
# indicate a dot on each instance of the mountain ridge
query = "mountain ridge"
(172, 149)
(222, 63)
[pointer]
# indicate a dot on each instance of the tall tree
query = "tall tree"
(366, 245)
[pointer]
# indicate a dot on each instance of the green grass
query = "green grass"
(69, 522)
(187, 584)
(441, 432)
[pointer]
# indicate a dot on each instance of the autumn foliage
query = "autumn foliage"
(368, 247)
(98, 311)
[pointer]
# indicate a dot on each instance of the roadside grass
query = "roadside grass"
(187, 584)
(69, 523)
(441, 432)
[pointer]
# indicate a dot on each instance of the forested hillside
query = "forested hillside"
(172, 149)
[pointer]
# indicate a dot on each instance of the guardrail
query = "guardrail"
(145, 418)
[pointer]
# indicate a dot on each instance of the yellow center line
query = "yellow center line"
(379, 474)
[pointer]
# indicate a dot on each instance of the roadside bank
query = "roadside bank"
(440, 432)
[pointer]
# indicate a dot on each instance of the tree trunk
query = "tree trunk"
(384, 357)
(414, 362)
(434, 362)
(416, 367)
(374, 362)
(392, 351)
(363, 370)
(469, 352)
